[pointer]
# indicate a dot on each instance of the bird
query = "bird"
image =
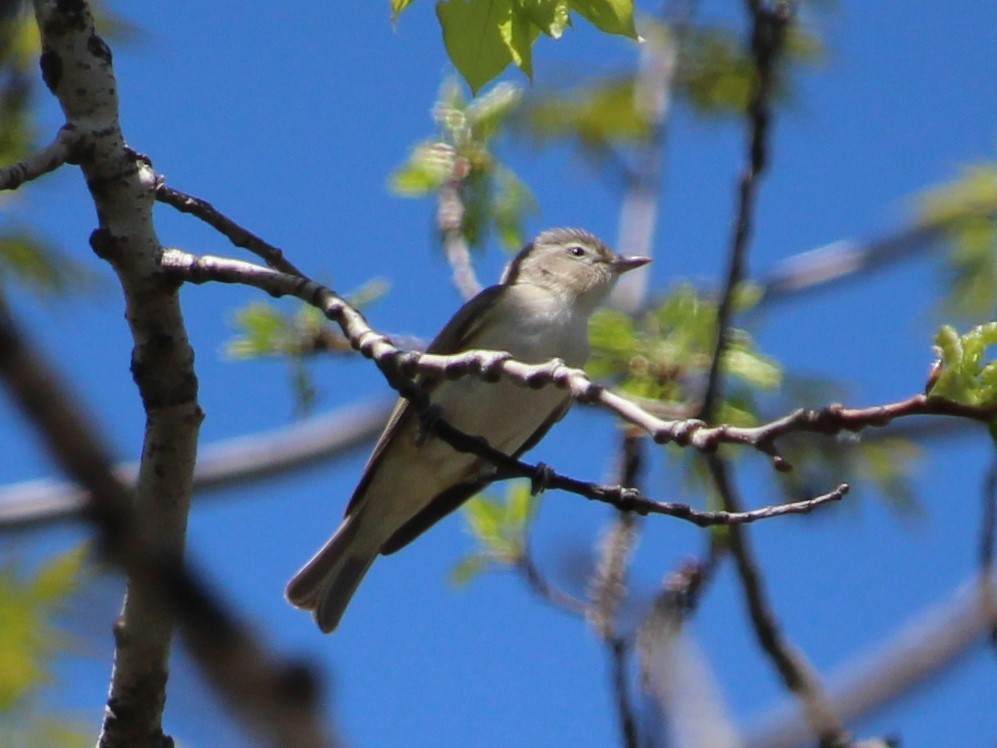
(538, 311)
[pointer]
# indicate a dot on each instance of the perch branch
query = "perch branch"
(491, 365)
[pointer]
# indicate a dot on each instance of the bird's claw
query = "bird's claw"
(428, 418)
(541, 478)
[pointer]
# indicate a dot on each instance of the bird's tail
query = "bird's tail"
(327, 582)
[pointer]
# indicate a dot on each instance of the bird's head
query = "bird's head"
(572, 263)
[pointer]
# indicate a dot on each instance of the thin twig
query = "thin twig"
(767, 36)
(791, 664)
(62, 150)
(239, 236)
(491, 365)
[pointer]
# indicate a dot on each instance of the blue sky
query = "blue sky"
(289, 119)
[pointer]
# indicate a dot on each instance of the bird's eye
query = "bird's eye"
(576, 251)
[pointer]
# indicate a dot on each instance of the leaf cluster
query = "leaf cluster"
(484, 37)
(462, 158)
(663, 354)
(964, 373)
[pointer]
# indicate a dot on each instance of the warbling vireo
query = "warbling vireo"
(538, 311)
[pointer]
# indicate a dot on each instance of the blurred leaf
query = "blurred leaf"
(428, 168)
(499, 528)
(461, 162)
(468, 568)
(884, 463)
(27, 606)
(38, 266)
(664, 354)
(965, 374)
(966, 212)
(597, 116)
(716, 71)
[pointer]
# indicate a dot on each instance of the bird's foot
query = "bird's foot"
(541, 478)
(428, 418)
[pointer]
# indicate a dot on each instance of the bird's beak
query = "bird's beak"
(623, 264)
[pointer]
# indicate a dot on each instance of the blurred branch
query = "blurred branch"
(768, 31)
(538, 584)
(920, 649)
(841, 260)
(492, 365)
(639, 210)
(609, 588)
(791, 664)
(988, 522)
(220, 465)
(62, 150)
(450, 220)
(275, 699)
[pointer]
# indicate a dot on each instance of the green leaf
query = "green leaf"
(550, 16)
(397, 7)
(519, 34)
(474, 38)
(611, 16)
(964, 374)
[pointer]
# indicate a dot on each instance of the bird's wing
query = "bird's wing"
(448, 501)
(455, 336)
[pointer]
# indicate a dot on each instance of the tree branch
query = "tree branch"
(918, 650)
(275, 699)
(62, 150)
(791, 664)
(220, 465)
(768, 32)
(239, 236)
(395, 363)
(76, 67)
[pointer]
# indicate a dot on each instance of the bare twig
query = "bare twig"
(490, 365)
(222, 464)
(609, 586)
(239, 236)
(767, 35)
(276, 699)
(62, 150)
(791, 664)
